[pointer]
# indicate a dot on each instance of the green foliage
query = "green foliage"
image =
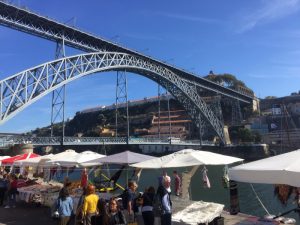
(257, 137)
(270, 97)
(245, 135)
(226, 79)
(241, 134)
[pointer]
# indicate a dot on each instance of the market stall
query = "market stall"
(281, 170)
(125, 159)
(59, 156)
(10, 161)
(3, 157)
(191, 158)
(33, 162)
(42, 189)
(83, 159)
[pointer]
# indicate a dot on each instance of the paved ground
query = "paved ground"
(26, 214)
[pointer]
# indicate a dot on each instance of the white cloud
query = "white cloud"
(268, 12)
(188, 17)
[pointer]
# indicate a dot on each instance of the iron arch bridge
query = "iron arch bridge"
(24, 88)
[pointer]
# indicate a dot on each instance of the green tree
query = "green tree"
(245, 135)
(257, 136)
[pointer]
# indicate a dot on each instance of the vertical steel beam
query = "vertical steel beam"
(122, 99)
(159, 102)
(236, 114)
(169, 116)
(216, 108)
(58, 96)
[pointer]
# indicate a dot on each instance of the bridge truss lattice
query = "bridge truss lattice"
(21, 90)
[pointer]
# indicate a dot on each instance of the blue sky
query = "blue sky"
(257, 41)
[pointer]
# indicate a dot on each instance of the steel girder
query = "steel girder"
(21, 90)
(23, 20)
(41, 141)
(199, 110)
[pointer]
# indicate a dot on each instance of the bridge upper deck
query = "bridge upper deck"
(41, 26)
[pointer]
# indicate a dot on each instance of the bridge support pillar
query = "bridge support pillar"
(58, 96)
(226, 136)
(236, 113)
(121, 100)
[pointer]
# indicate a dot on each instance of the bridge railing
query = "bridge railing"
(94, 140)
(11, 140)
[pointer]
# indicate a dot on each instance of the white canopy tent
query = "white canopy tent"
(60, 156)
(280, 169)
(82, 159)
(3, 157)
(123, 158)
(33, 161)
(188, 157)
(185, 158)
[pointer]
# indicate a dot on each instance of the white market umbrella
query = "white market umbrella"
(3, 157)
(123, 158)
(280, 169)
(59, 156)
(188, 157)
(82, 159)
(33, 161)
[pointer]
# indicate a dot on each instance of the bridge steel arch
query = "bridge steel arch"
(24, 88)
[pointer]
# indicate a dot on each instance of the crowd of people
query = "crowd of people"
(123, 209)
(8, 189)
(93, 210)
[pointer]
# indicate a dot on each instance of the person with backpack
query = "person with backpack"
(147, 207)
(64, 207)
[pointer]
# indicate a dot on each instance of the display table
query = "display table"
(43, 194)
(194, 212)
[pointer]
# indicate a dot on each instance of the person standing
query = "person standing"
(177, 183)
(84, 178)
(64, 206)
(3, 188)
(164, 194)
(12, 191)
(167, 181)
(147, 208)
(90, 204)
(128, 198)
(114, 214)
